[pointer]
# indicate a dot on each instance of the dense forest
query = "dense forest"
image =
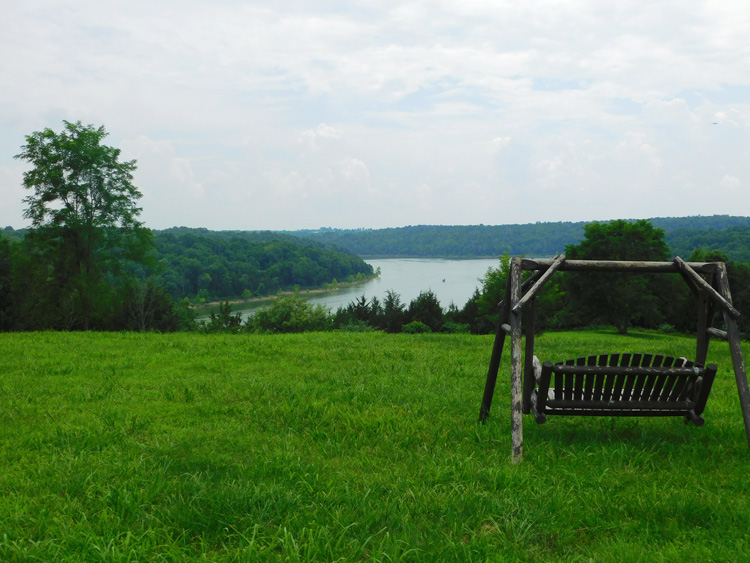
(683, 234)
(204, 265)
(210, 265)
(87, 262)
(185, 266)
(570, 300)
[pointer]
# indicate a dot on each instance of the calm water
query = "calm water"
(452, 281)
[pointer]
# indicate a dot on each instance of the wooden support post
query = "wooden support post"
(497, 353)
(733, 335)
(529, 319)
(701, 346)
(515, 363)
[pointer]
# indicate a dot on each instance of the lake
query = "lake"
(452, 281)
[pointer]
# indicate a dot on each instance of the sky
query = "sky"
(292, 115)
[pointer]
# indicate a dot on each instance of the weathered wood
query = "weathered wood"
(733, 335)
(702, 340)
(497, 352)
(631, 266)
(705, 286)
(548, 273)
(516, 392)
(648, 385)
(629, 370)
(643, 385)
(537, 368)
(715, 332)
(529, 315)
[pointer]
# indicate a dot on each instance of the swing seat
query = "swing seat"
(621, 385)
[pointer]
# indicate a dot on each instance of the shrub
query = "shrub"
(291, 314)
(416, 327)
(456, 328)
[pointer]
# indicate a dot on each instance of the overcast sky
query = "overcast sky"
(289, 114)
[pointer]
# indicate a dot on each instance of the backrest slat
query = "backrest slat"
(627, 389)
(678, 389)
(609, 381)
(599, 380)
(661, 381)
(589, 379)
(569, 382)
(578, 389)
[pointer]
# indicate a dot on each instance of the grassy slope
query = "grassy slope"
(323, 447)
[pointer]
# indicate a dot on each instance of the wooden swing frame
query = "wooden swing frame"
(517, 316)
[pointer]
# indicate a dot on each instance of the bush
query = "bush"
(357, 326)
(291, 314)
(456, 328)
(416, 327)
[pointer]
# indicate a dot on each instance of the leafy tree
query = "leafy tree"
(739, 281)
(616, 298)
(292, 313)
(393, 315)
(150, 307)
(84, 217)
(426, 309)
(7, 316)
(225, 320)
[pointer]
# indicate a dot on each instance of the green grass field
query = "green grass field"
(347, 447)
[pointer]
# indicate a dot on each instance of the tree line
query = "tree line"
(570, 300)
(88, 263)
(729, 234)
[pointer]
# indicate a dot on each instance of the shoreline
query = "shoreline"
(284, 293)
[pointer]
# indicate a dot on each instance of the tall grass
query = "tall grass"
(346, 447)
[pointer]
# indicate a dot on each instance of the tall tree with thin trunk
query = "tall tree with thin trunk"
(84, 214)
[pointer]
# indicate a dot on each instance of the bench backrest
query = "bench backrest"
(638, 384)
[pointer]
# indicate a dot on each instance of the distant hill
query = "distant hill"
(683, 234)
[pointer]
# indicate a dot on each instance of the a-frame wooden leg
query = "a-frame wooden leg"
(733, 335)
(503, 329)
(516, 368)
(529, 314)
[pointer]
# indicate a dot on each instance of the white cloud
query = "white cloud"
(250, 112)
(355, 172)
(730, 183)
(497, 144)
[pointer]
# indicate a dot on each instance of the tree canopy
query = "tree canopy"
(85, 228)
(615, 298)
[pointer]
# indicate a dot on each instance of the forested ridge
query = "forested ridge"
(87, 261)
(214, 265)
(730, 234)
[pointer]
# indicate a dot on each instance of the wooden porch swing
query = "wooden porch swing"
(626, 384)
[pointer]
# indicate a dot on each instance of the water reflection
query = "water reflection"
(452, 281)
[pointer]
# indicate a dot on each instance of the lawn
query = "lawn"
(347, 447)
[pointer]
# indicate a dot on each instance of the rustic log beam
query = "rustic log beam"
(629, 370)
(733, 335)
(618, 266)
(528, 320)
(556, 263)
(503, 329)
(516, 393)
(527, 283)
(705, 286)
(718, 333)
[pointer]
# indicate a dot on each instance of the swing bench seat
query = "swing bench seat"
(621, 385)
